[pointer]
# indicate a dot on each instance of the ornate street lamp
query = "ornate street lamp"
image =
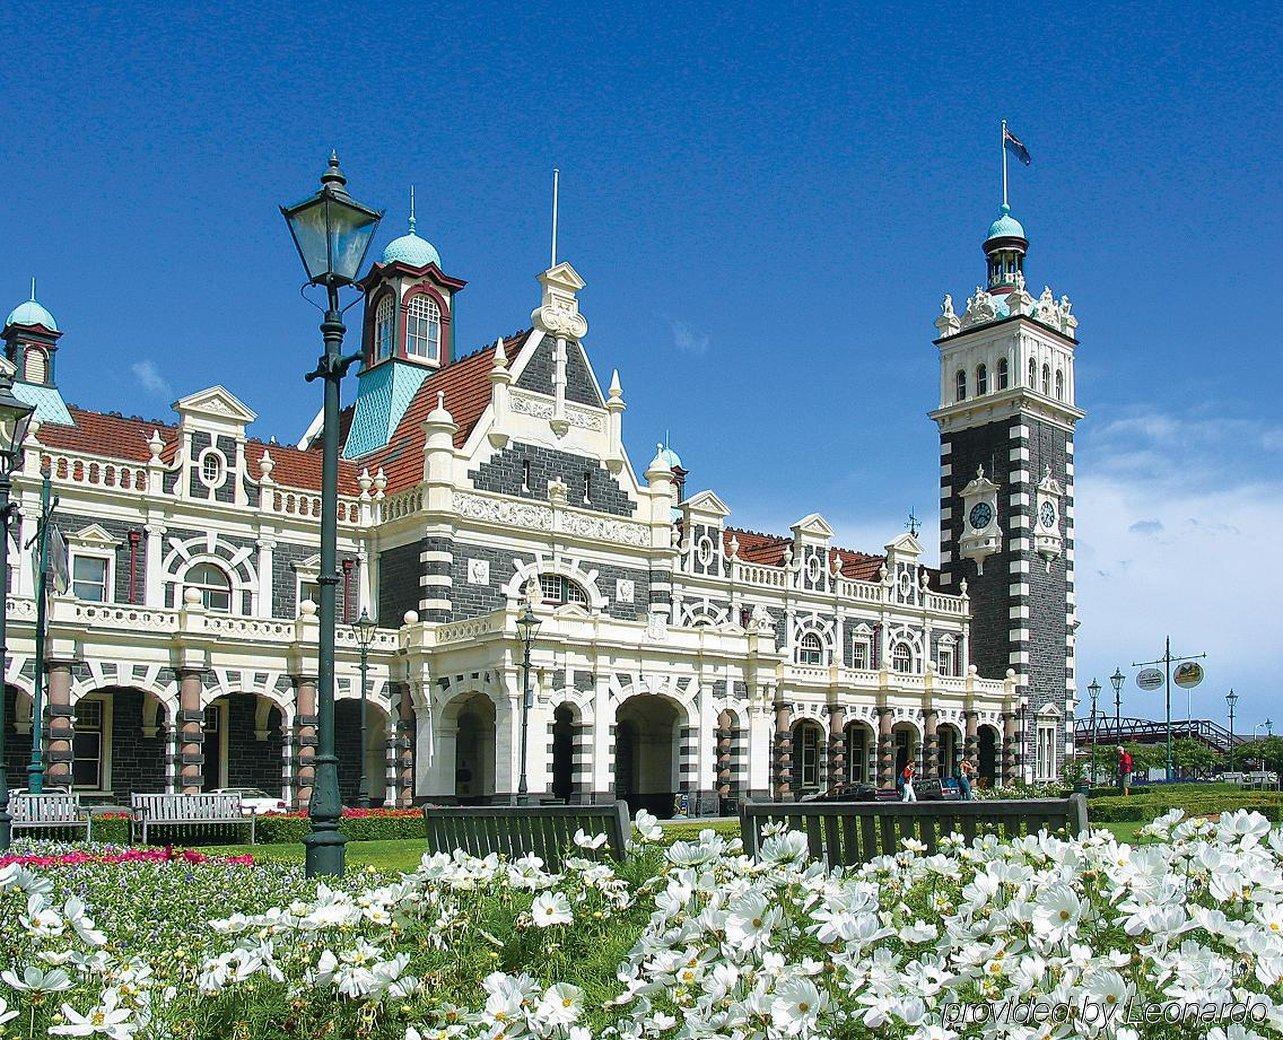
(332, 233)
(365, 628)
(527, 627)
(1118, 679)
(1094, 690)
(15, 418)
(1231, 699)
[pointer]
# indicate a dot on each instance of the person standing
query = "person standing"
(1126, 764)
(907, 793)
(965, 770)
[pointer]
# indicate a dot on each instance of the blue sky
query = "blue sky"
(767, 205)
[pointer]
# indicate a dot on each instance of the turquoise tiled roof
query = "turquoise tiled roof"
(384, 393)
(31, 313)
(47, 402)
(1006, 226)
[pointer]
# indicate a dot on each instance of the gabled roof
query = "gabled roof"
(466, 385)
(768, 551)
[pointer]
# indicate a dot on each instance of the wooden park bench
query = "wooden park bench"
(193, 811)
(518, 830)
(55, 810)
(849, 833)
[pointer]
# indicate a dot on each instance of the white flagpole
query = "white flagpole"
(1004, 162)
(556, 177)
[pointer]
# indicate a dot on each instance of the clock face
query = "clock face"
(1047, 515)
(981, 515)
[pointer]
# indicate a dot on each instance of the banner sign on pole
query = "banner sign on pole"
(1149, 679)
(1188, 675)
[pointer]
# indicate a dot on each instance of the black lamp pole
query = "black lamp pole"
(15, 417)
(36, 767)
(527, 626)
(364, 627)
(1231, 699)
(1094, 690)
(332, 233)
(1118, 679)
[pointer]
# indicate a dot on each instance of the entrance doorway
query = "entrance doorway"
(646, 734)
(474, 750)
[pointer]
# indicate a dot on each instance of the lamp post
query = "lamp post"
(1231, 699)
(527, 626)
(36, 767)
(364, 628)
(15, 417)
(1117, 680)
(1094, 690)
(332, 233)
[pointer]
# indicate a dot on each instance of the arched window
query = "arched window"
(982, 379)
(214, 585)
(1033, 373)
(35, 365)
(423, 329)
(384, 327)
(1004, 379)
(810, 650)
(902, 657)
(1046, 380)
(556, 589)
(960, 382)
(1060, 385)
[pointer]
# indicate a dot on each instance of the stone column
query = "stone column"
(725, 737)
(405, 747)
(783, 752)
(191, 719)
(837, 745)
(931, 742)
(886, 749)
(305, 739)
(1010, 755)
(970, 742)
(61, 725)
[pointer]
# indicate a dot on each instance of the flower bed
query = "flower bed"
(685, 942)
(52, 856)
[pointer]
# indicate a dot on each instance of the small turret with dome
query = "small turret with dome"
(31, 337)
(410, 249)
(1005, 246)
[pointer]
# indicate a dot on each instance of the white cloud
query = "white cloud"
(149, 377)
(687, 340)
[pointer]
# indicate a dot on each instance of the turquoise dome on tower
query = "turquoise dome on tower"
(1006, 226)
(410, 248)
(29, 312)
(671, 458)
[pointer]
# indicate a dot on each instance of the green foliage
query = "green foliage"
(1266, 753)
(1196, 799)
(1193, 756)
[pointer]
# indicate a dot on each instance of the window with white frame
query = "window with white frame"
(810, 649)
(91, 726)
(556, 588)
(214, 585)
(1003, 374)
(91, 578)
(861, 654)
(212, 466)
(902, 657)
(309, 589)
(423, 328)
(857, 753)
(1045, 751)
(35, 366)
(982, 379)
(945, 658)
(960, 385)
(1060, 385)
(1033, 373)
(809, 755)
(384, 328)
(1046, 380)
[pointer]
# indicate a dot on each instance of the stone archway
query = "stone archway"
(810, 747)
(861, 753)
(907, 744)
(347, 745)
(948, 750)
(244, 739)
(17, 735)
(647, 731)
(562, 771)
(474, 748)
(987, 753)
(120, 743)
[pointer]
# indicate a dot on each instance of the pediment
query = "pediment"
(563, 276)
(93, 536)
(906, 545)
(814, 525)
(708, 503)
(215, 406)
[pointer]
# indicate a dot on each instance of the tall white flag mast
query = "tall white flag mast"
(556, 180)
(1003, 147)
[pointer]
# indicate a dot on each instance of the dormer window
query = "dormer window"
(810, 650)
(423, 329)
(212, 468)
(960, 385)
(384, 328)
(1004, 378)
(35, 366)
(902, 657)
(982, 379)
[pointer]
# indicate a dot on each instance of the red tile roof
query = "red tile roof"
(768, 550)
(466, 385)
(126, 437)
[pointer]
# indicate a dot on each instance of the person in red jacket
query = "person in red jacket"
(1125, 766)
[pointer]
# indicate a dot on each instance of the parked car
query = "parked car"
(937, 790)
(254, 800)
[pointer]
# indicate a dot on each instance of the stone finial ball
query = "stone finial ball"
(192, 597)
(307, 609)
(411, 617)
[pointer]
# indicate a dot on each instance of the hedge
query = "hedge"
(1142, 808)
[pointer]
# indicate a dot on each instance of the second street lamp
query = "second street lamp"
(15, 417)
(527, 626)
(332, 233)
(1094, 690)
(364, 628)
(1231, 699)
(1117, 680)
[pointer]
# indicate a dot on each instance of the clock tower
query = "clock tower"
(1006, 420)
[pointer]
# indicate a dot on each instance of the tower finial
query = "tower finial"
(556, 182)
(412, 209)
(33, 288)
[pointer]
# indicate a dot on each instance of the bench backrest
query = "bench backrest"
(45, 808)
(848, 833)
(517, 830)
(187, 807)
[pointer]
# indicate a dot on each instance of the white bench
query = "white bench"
(49, 811)
(188, 810)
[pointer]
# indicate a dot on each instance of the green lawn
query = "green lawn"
(404, 855)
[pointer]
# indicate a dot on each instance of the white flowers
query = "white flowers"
(551, 908)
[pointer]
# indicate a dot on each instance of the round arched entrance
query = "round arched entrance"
(646, 754)
(474, 749)
(987, 754)
(948, 749)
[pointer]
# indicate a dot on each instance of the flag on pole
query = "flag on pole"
(58, 562)
(1015, 146)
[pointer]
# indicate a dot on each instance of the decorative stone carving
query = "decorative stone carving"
(981, 534)
(558, 313)
(478, 572)
(624, 590)
(980, 308)
(947, 323)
